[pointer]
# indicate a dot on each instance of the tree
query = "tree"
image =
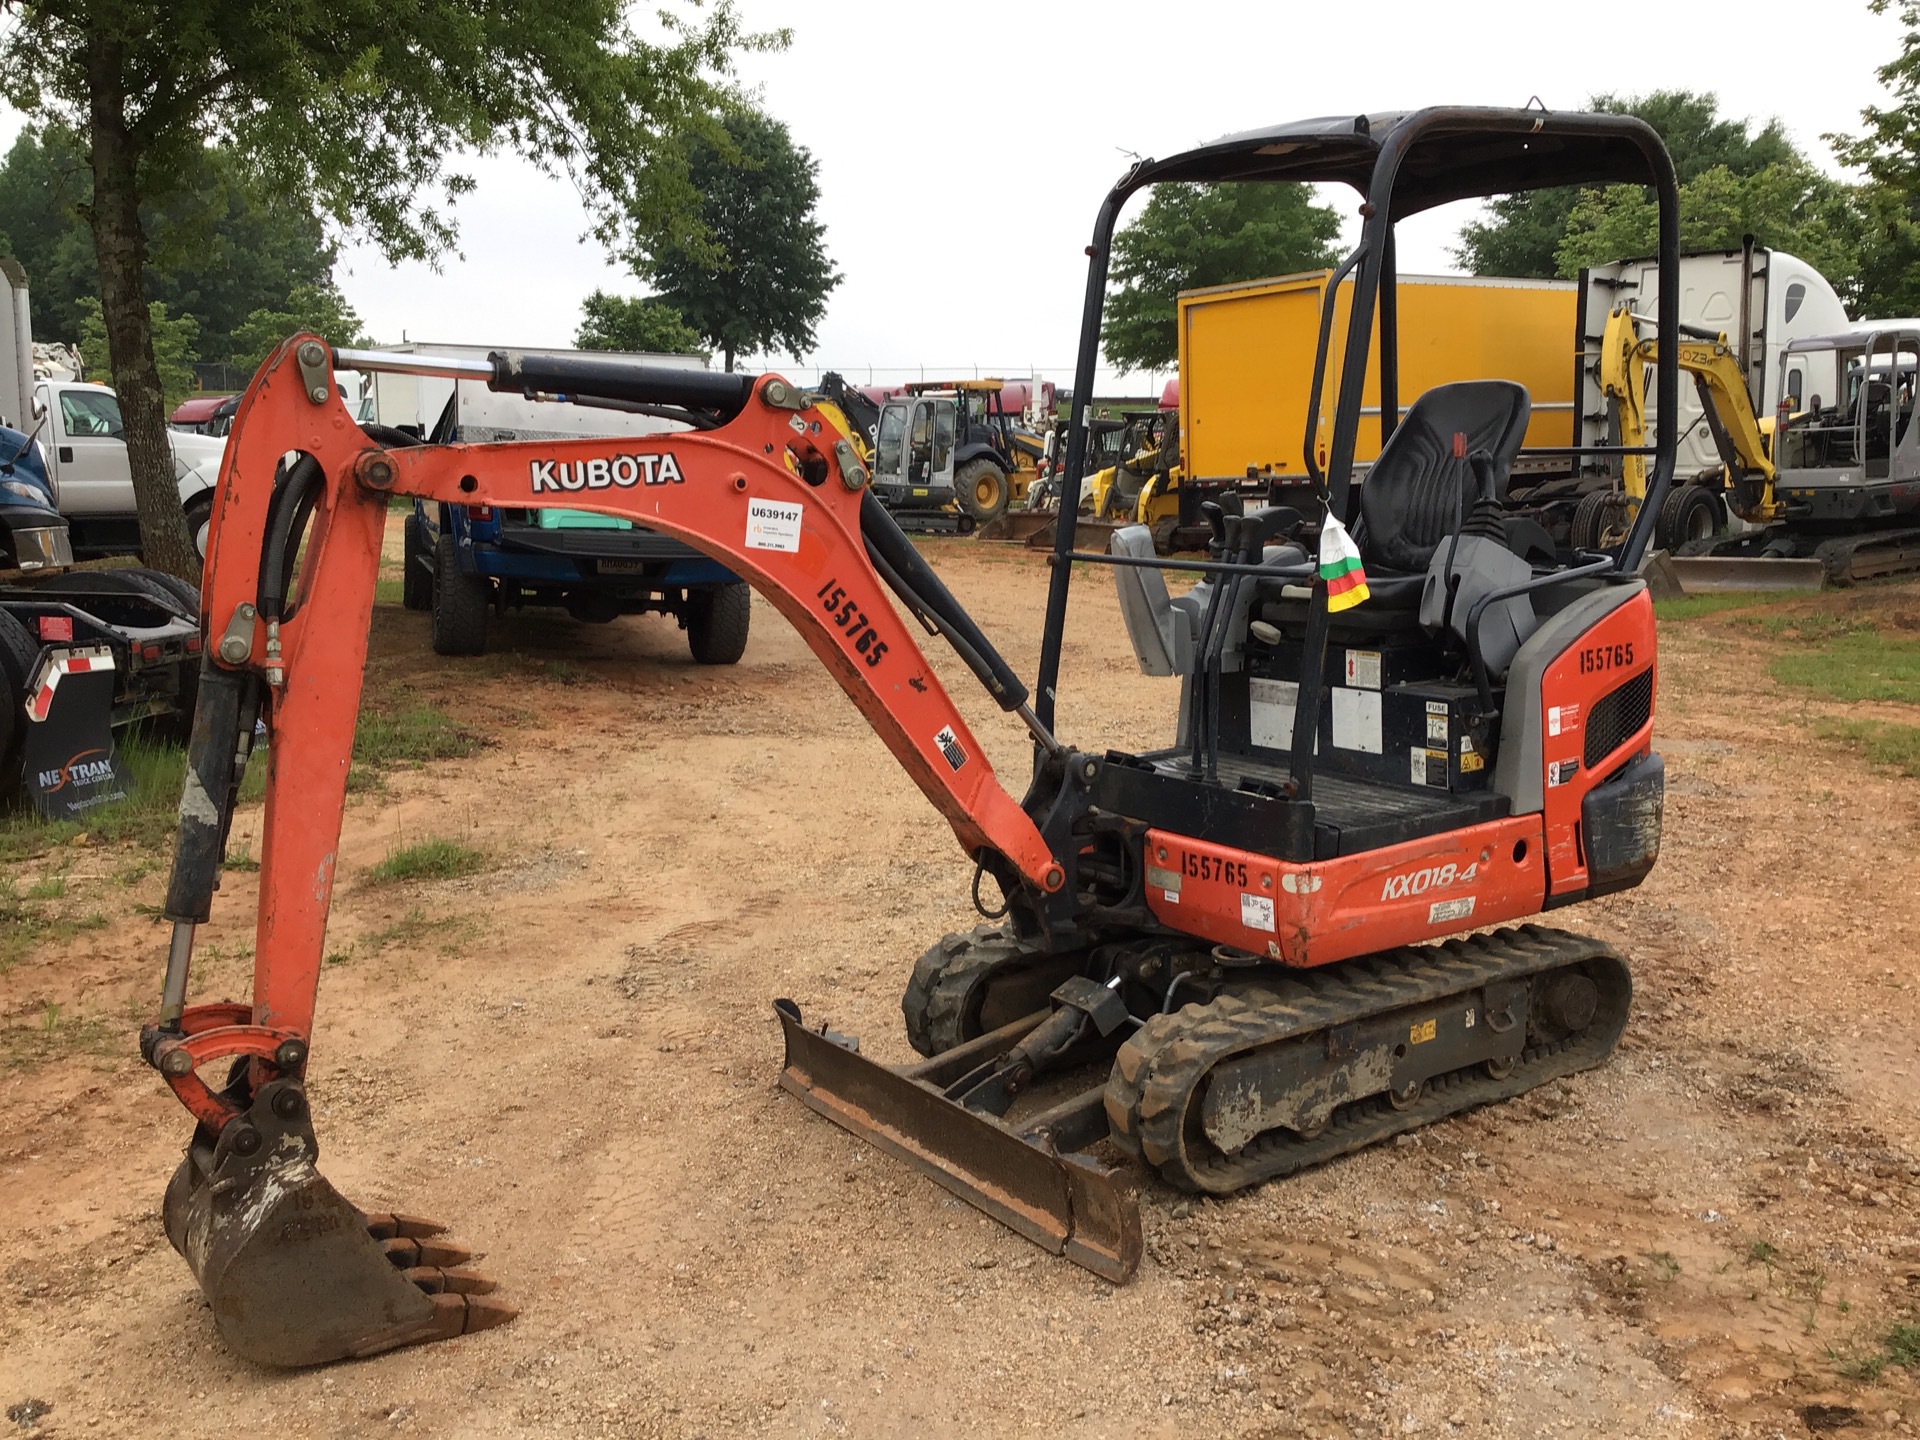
(1888, 150)
(1189, 236)
(762, 279)
(1786, 206)
(642, 323)
(364, 108)
(319, 308)
(174, 340)
(1522, 233)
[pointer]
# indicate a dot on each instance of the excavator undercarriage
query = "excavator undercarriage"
(1216, 961)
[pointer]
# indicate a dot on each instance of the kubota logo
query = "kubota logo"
(601, 473)
(77, 771)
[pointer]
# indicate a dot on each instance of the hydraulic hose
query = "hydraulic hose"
(293, 501)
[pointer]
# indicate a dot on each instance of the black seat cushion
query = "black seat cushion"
(1422, 486)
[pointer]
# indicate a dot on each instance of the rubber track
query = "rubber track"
(1160, 1071)
(935, 1003)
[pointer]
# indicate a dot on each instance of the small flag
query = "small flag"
(1340, 567)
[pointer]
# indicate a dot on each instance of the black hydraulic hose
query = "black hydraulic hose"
(223, 717)
(293, 501)
(913, 580)
(515, 372)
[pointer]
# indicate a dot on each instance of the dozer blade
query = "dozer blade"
(293, 1273)
(1064, 1202)
(1710, 574)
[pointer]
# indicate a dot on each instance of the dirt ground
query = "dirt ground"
(572, 1057)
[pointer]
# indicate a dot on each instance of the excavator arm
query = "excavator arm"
(770, 487)
(1736, 430)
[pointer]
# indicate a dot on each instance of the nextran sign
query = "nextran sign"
(623, 471)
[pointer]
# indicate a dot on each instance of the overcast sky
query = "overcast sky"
(963, 149)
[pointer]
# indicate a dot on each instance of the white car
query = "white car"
(81, 433)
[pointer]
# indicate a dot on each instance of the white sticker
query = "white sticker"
(1437, 730)
(1363, 669)
(1256, 912)
(1436, 707)
(1553, 720)
(774, 525)
(1172, 897)
(1559, 772)
(949, 745)
(1270, 704)
(1442, 911)
(1356, 719)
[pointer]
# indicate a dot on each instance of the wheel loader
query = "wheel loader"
(1298, 926)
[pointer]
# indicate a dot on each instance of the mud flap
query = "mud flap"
(294, 1274)
(1067, 1203)
(68, 759)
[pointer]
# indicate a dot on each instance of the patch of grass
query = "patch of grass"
(416, 930)
(241, 859)
(386, 592)
(54, 1034)
(1857, 664)
(436, 859)
(1665, 1267)
(412, 735)
(51, 888)
(1881, 742)
(1693, 607)
(1899, 1346)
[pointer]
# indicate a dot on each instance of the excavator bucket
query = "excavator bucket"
(1036, 529)
(294, 1274)
(1029, 1178)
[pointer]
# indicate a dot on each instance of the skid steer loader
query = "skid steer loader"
(1224, 958)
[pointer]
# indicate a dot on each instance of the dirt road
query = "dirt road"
(571, 1056)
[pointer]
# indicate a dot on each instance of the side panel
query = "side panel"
(1614, 653)
(1356, 905)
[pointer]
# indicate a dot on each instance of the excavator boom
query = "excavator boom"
(774, 489)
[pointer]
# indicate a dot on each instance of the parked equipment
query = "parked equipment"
(1236, 926)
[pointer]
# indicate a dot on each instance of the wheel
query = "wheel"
(187, 593)
(983, 489)
(416, 569)
(199, 520)
(460, 603)
(18, 652)
(1689, 514)
(1600, 521)
(717, 620)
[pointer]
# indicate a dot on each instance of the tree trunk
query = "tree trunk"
(728, 351)
(120, 254)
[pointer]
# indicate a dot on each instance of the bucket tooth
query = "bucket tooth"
(439, 1280)
(1067, 1203)
(406, 1252)
(295, 1275)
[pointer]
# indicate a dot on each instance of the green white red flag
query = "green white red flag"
(1340, 566)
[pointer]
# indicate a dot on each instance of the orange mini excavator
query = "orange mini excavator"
(1225, 958)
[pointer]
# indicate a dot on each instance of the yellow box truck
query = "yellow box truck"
(1247, 350)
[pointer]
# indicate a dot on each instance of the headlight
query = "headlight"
(30, 493)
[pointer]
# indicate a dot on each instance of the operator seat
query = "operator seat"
(1422, 488)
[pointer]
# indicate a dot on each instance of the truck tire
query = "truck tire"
(199, 517)
(132, 580)
(983, 489)
(717, 620)
(18, 653)
(1600, 521)
(416, 574)
(460, 603)
(1688, 514)
(183, 591)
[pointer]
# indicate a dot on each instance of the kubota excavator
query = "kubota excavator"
(1225, 957)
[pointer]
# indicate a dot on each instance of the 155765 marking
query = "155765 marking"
(852, 621)
(1208, 867)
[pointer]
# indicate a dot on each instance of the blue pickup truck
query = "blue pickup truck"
(464, 562)
(468, 563)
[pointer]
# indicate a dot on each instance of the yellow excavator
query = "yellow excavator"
(1742, 438)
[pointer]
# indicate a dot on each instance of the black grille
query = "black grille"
(1616, 715)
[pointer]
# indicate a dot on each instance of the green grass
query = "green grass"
(1856, 664)
(1881, 742)
(403, 738)
(1692, 607)
(386, 592)
(1899, 1346)
(436, 859)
